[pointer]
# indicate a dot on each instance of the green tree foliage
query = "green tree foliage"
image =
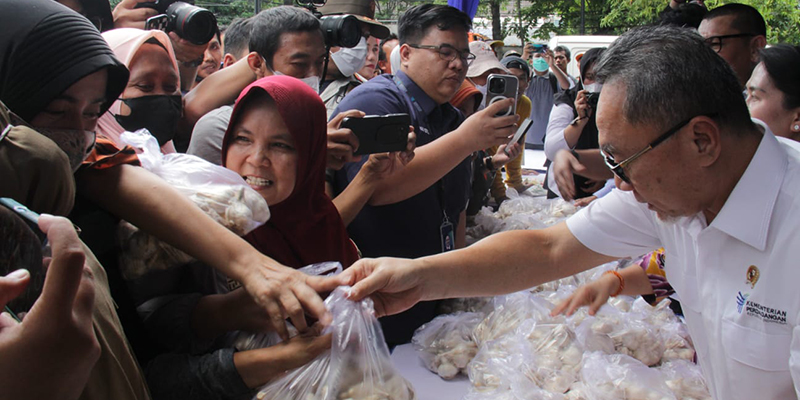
(782, 16)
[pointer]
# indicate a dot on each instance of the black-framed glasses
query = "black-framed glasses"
(715, 42)
(448, 52)
(619, 168)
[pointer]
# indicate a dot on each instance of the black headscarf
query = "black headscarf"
(44, 49)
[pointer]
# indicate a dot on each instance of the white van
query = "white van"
(578, 45)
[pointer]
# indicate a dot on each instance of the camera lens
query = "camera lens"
(497, 86)
(341, 30)
(195, 24)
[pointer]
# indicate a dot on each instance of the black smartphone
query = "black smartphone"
(500, 87)
(379, 133)
(31, 218)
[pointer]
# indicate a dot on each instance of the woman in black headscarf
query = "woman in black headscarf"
(572, 127)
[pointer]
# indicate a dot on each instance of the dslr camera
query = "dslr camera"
(339, 30)
(195, 24)
(591, 99)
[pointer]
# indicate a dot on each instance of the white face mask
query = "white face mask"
(350, 60)
(592, 87)
(312, 81)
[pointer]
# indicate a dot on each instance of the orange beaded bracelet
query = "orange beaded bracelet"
(621, 282)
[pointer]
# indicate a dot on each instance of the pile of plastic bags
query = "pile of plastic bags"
(628, 350)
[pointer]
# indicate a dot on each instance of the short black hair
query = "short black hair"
(687, 15)
(415, 23)
(781, 62)
(382, 54)
(661, 68)
(747, 19)
(563, 49)
(270, 24)
(237, 36)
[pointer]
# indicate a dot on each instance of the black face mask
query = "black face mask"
(159, 114)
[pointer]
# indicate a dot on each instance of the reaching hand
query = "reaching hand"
(126, 15)
(593, 294)
(565, 165)
(50, 354)
(186, 51)
(342, 142)
(584, 201)
(392, 283)
(483, 129)
(287, 293)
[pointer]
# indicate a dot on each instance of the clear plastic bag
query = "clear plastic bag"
(357, 367)
(509, 312)
(243, 341)
(686, 380)
(446, 344)
(221, 193)
(218, 191)
(617, 376)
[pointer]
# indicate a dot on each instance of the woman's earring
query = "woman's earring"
(797, 127)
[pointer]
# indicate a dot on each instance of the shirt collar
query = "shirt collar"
(748, 211)
(425, 102)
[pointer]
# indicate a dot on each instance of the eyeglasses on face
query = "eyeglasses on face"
(619, 168)
(715, 42)
(448, 52)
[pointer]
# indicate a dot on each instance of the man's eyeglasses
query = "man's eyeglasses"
(448, 53)
(619, 168)
(715, 42)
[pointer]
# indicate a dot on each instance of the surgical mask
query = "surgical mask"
(77, 144)
(592, 87)
(158, 114)
(312, 81)
(481, 88)
(540, 64)
(350, 60)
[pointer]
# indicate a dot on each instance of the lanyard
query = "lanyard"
(440, 184)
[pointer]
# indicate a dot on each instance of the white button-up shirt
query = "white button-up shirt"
(737, 278)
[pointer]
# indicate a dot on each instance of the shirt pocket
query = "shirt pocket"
(756, 349)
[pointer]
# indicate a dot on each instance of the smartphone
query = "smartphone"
(379, 133)
(523, 128)
(31, 218)
(500, 87)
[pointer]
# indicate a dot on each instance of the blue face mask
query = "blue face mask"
(540, 64)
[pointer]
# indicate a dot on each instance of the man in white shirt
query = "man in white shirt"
(697, 177)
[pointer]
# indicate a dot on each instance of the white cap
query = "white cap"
(485, 59)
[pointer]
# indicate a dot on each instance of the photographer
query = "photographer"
(572, 126)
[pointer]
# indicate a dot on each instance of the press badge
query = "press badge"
(447, 235)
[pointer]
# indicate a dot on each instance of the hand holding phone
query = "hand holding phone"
(379, 133)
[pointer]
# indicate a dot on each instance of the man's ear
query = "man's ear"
(706, 140)
(227, 60)
(405, 53)
(756, 45)
(256, 63)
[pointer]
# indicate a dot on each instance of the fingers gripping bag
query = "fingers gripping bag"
(243, 341)
(357, 367)
(221, 193)
(446, 344)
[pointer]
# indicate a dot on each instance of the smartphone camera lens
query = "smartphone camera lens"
(497, 86)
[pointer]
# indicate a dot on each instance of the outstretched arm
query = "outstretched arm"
(148, 202)
(502, 263)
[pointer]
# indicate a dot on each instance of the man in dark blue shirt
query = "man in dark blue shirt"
(416, 211)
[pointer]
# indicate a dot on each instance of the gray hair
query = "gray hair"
(670, 75)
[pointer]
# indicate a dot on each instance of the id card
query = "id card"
(448, 236)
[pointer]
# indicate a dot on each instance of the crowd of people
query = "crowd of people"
(680, 139)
